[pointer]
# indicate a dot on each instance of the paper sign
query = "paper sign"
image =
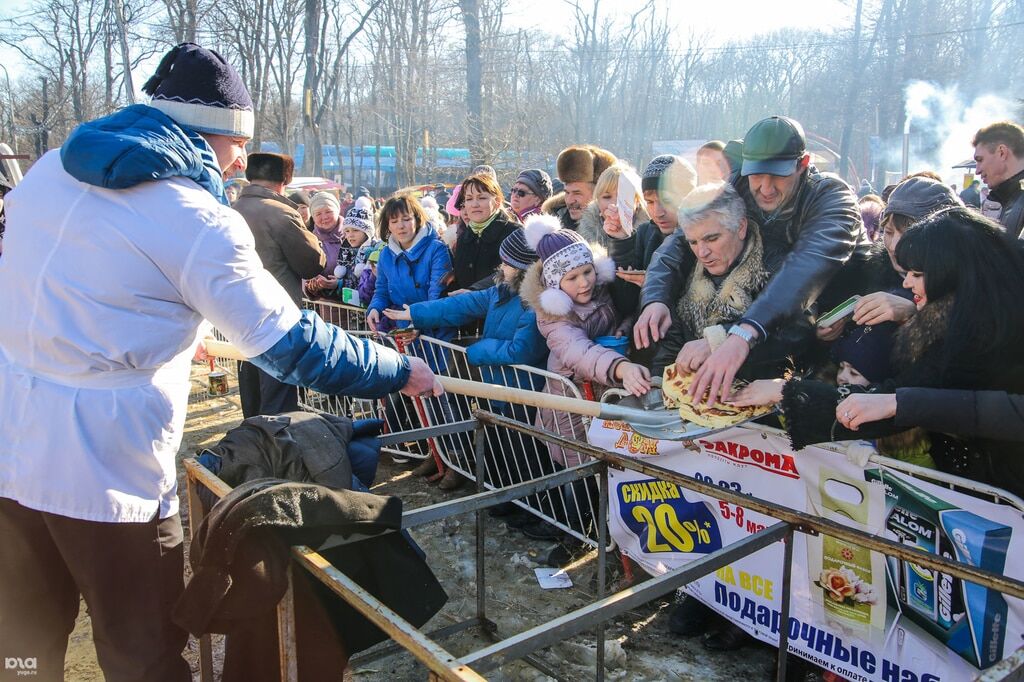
(553, 578)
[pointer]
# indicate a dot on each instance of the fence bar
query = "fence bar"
(388, 439)
(587, 617)
(787, 593)
(479, 445)
(602, 559)
(471, 503)
(441, 663)
(805, 522)
(286, 641)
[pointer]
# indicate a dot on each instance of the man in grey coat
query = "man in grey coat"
(289, 252)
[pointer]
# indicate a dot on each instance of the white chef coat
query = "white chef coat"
(101, 296)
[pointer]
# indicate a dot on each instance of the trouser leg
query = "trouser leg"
(249, 389)
(38, 598)
(131, 575)
(277, 397)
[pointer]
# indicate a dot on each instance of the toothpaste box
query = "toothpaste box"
(967, 618)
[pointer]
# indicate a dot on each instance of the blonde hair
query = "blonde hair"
(608, 181)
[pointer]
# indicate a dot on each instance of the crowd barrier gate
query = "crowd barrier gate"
(504, 464)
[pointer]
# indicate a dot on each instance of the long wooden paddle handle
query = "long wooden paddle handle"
(223, 349)
(474, 389)
(520, 396)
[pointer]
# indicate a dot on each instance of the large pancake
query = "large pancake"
(674, 388)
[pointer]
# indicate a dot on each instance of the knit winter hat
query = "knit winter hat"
(672, 176)
(538, 181)
(561, 251)
(359, 219)
(200, 90)
(374, 256)
(514, 251)
(867, 348)
(322, 199)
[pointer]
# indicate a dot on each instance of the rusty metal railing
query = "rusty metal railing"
(445, 666)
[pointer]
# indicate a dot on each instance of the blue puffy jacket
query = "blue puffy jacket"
(410, 276)
(510, 334)
(140, 144)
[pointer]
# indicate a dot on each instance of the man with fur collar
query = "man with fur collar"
(578, 168)
(733, 267)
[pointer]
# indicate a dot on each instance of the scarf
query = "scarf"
(331, 243)
(478, 228)
(140, 144)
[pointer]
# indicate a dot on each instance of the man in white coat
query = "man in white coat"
(118, 246)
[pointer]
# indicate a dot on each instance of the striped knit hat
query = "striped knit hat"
(514, 251)
(200, 90)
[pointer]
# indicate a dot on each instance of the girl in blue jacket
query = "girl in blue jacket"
(510, 337)
(415, 266)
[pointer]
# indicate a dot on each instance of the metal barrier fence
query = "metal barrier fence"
(510, 457)
(443, 665)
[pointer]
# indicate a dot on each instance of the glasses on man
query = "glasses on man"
(521, 192)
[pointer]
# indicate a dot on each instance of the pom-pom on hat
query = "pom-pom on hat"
(200, 90)
(359, 219)
(514, 251)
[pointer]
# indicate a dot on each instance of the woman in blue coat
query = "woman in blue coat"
(415, 265)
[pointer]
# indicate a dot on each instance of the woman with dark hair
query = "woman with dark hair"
(967, 281)
(484, 227)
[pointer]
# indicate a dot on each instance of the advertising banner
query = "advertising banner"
(853, 612)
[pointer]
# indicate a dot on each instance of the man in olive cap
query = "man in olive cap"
(811, 215)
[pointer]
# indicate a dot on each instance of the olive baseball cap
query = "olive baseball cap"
(772, 146)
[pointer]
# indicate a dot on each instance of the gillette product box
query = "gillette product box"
(967, 618)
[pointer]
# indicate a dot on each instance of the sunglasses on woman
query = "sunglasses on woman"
(521, 192)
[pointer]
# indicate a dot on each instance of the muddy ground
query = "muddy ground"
(640, 647)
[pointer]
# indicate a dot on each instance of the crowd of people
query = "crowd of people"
(604, 275)
(727, 270)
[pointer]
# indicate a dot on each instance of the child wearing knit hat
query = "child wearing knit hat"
(509, 337)
(568, 288)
